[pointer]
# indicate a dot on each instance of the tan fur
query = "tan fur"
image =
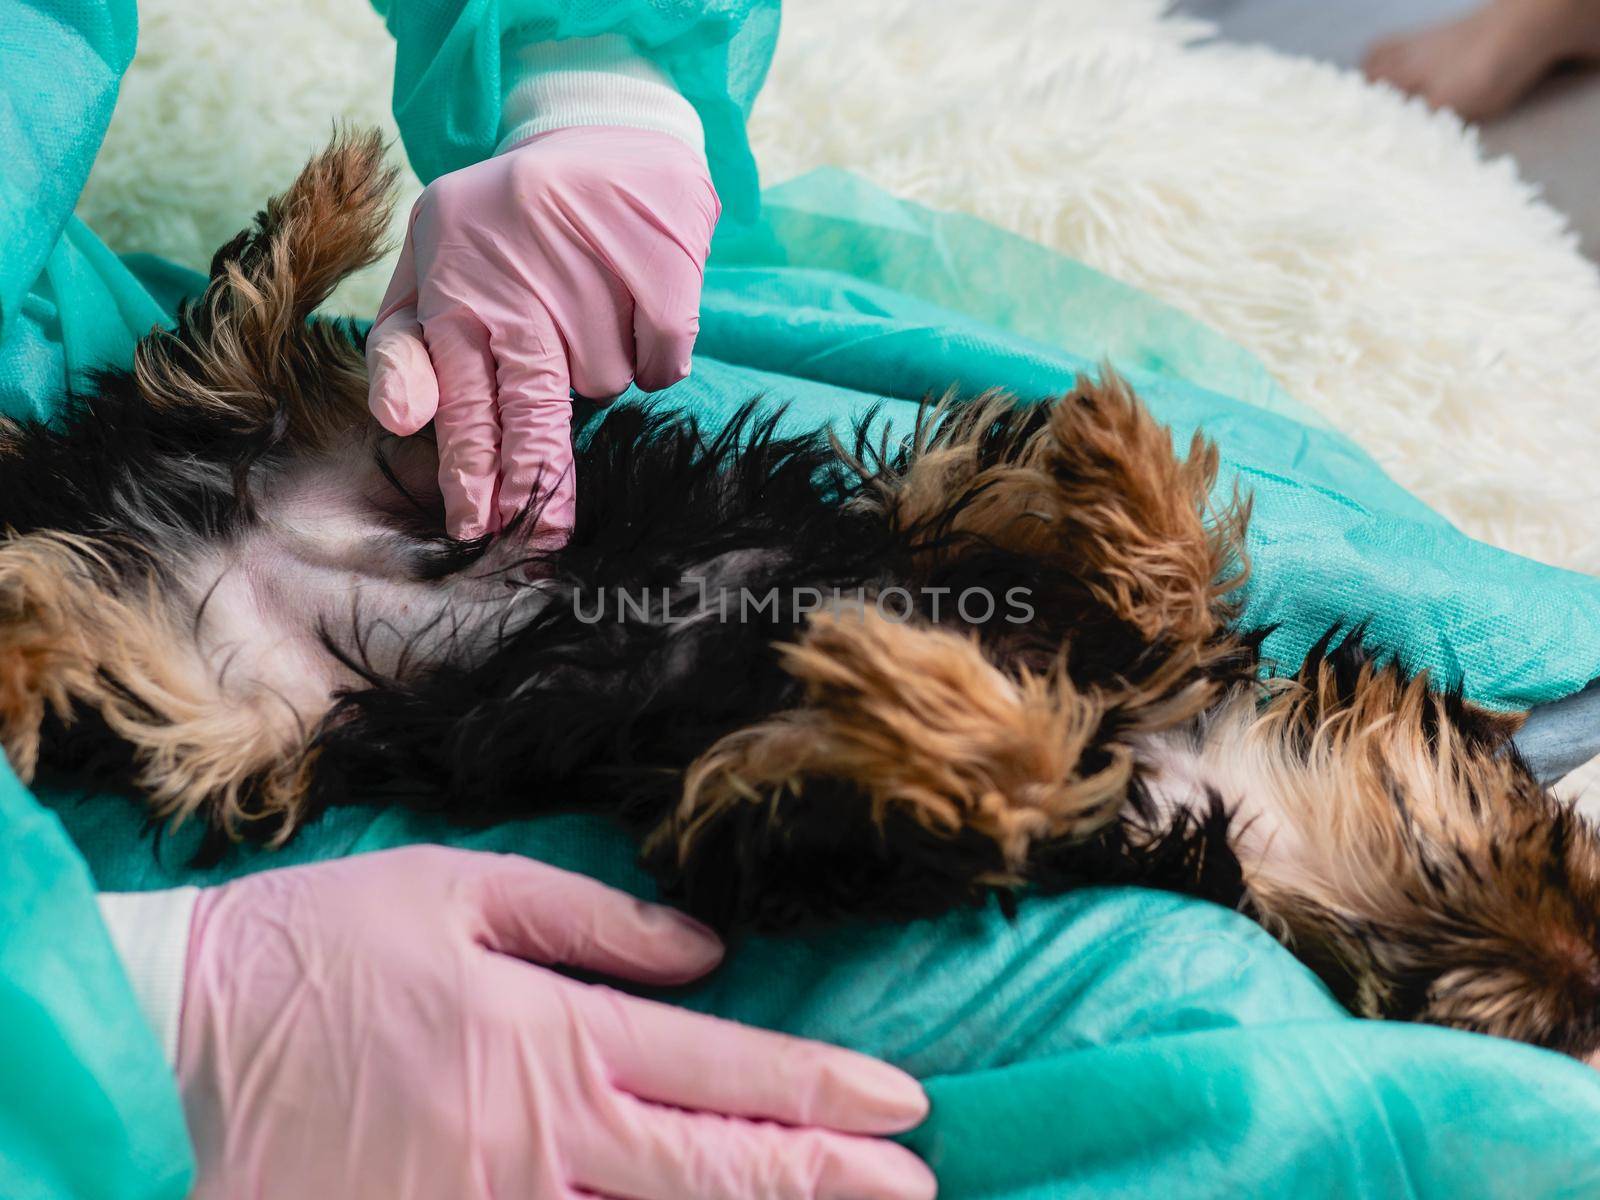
(920, 720)
(72, 634)
(1138, 515)
(258, 351)
(1391, 846)
(1351, 846)
(924, 725)
(1495, 724)
(1099, 487)
(1380, 832)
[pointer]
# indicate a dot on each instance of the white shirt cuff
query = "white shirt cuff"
(591, 81)
(151, 933)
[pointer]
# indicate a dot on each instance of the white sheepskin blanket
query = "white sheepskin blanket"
(1419, 297)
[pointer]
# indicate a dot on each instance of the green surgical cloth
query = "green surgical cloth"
(87, 1106)
(1112, 1042)
(846, 295)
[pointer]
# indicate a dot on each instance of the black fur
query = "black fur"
(609, 714)
(572, 713)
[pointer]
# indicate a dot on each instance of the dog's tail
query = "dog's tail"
(245, 347)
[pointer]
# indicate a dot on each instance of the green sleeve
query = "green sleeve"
(66, 303)
(88, 1107)
(448, 75)
(60, 64)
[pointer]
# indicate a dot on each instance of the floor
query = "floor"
(1555, 135)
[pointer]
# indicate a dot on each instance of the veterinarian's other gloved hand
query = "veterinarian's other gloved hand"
(382, 1026)
(574, 259)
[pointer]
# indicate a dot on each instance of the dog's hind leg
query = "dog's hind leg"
(945, 765)
(1398, 844)
(1084, 503)
(1137, 521)
(916, 776)
(84, 628)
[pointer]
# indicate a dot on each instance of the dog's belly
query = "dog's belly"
(326, 587)
(1189, 768)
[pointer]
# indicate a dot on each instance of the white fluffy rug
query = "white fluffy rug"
(1419, 297)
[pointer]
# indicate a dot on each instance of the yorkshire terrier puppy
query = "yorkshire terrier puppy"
(223, 586)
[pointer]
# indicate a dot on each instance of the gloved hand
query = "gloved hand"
(380, 1026)
(574, 259)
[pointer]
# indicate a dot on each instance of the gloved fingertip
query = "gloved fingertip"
(882, 1172)
(914, 1178)
(557, 514)
(692, 949)
(549, 538)
(661, 379)
(469, 504)
(873, 1097)
(393, 413)
(402, 391)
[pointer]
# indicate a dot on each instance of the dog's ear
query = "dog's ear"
(246, 348)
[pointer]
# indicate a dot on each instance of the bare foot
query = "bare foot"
(1485, 62)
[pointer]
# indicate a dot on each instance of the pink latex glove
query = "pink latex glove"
(378, 1026)
(572, 260)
